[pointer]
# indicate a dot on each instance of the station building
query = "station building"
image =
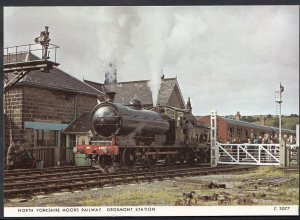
(228, 128)
(42, 105)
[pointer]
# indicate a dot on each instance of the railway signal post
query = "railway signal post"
(283, 151)
(278, 99)
(214, 155)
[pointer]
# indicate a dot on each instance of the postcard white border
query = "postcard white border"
(151, 211)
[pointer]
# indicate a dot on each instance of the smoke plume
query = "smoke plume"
(128, 36)
(114, 36)
(210, 49)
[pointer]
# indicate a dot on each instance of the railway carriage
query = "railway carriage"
(125, 136)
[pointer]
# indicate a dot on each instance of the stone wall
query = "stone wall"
(43, 105)
(13, 105)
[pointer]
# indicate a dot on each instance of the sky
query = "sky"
(225, 58)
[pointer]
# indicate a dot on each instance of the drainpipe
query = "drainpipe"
(75, 106)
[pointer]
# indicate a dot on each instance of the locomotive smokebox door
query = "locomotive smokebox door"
(105, 121)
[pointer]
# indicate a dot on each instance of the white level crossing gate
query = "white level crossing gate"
(248, 154)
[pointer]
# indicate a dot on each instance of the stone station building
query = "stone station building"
(41, 105)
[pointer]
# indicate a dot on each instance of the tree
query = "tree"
(269, 116)
(250, 119)
(243, 118)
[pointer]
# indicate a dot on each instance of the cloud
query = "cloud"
(227, 58)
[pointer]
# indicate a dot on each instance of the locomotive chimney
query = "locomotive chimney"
(110, 96)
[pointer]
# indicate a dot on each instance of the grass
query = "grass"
(243, 189)
(140, 194)
(268, 172)
(287, 193)
(167, 193)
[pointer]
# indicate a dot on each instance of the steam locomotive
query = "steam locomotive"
(125, 136)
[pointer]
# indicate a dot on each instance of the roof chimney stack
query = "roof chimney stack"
(238, 116)
(189, 105)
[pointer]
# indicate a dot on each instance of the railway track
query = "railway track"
(54, 172)
(85, 177)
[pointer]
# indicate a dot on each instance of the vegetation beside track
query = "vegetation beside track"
(264, 186)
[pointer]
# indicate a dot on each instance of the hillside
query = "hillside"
(288, 122)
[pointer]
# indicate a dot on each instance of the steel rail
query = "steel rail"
(83, 172)
(27, 188)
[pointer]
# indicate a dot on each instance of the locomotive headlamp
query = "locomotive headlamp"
(75, 150)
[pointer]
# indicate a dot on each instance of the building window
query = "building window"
(47, 138)
(231, 131)
(73, 140)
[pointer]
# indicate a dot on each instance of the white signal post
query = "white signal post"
(282, 144)
(278, 100)
(214, 153)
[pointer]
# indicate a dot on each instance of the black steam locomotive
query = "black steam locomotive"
(126, 136)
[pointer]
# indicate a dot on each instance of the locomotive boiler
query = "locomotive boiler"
(116, 119)
(129, 135)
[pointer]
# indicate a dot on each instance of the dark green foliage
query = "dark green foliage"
(243, 118)
(276, 122)
(249, 118)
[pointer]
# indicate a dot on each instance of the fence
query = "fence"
(51, 155)
(294, 154)
(15, 54)
(250, 154)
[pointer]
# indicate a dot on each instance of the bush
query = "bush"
(276, 122)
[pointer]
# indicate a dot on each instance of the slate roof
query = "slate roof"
(54, 79)
(79, 125)
(255, 126)
(140, 90)
(126, 91)
(97, 86)
(166, 88)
